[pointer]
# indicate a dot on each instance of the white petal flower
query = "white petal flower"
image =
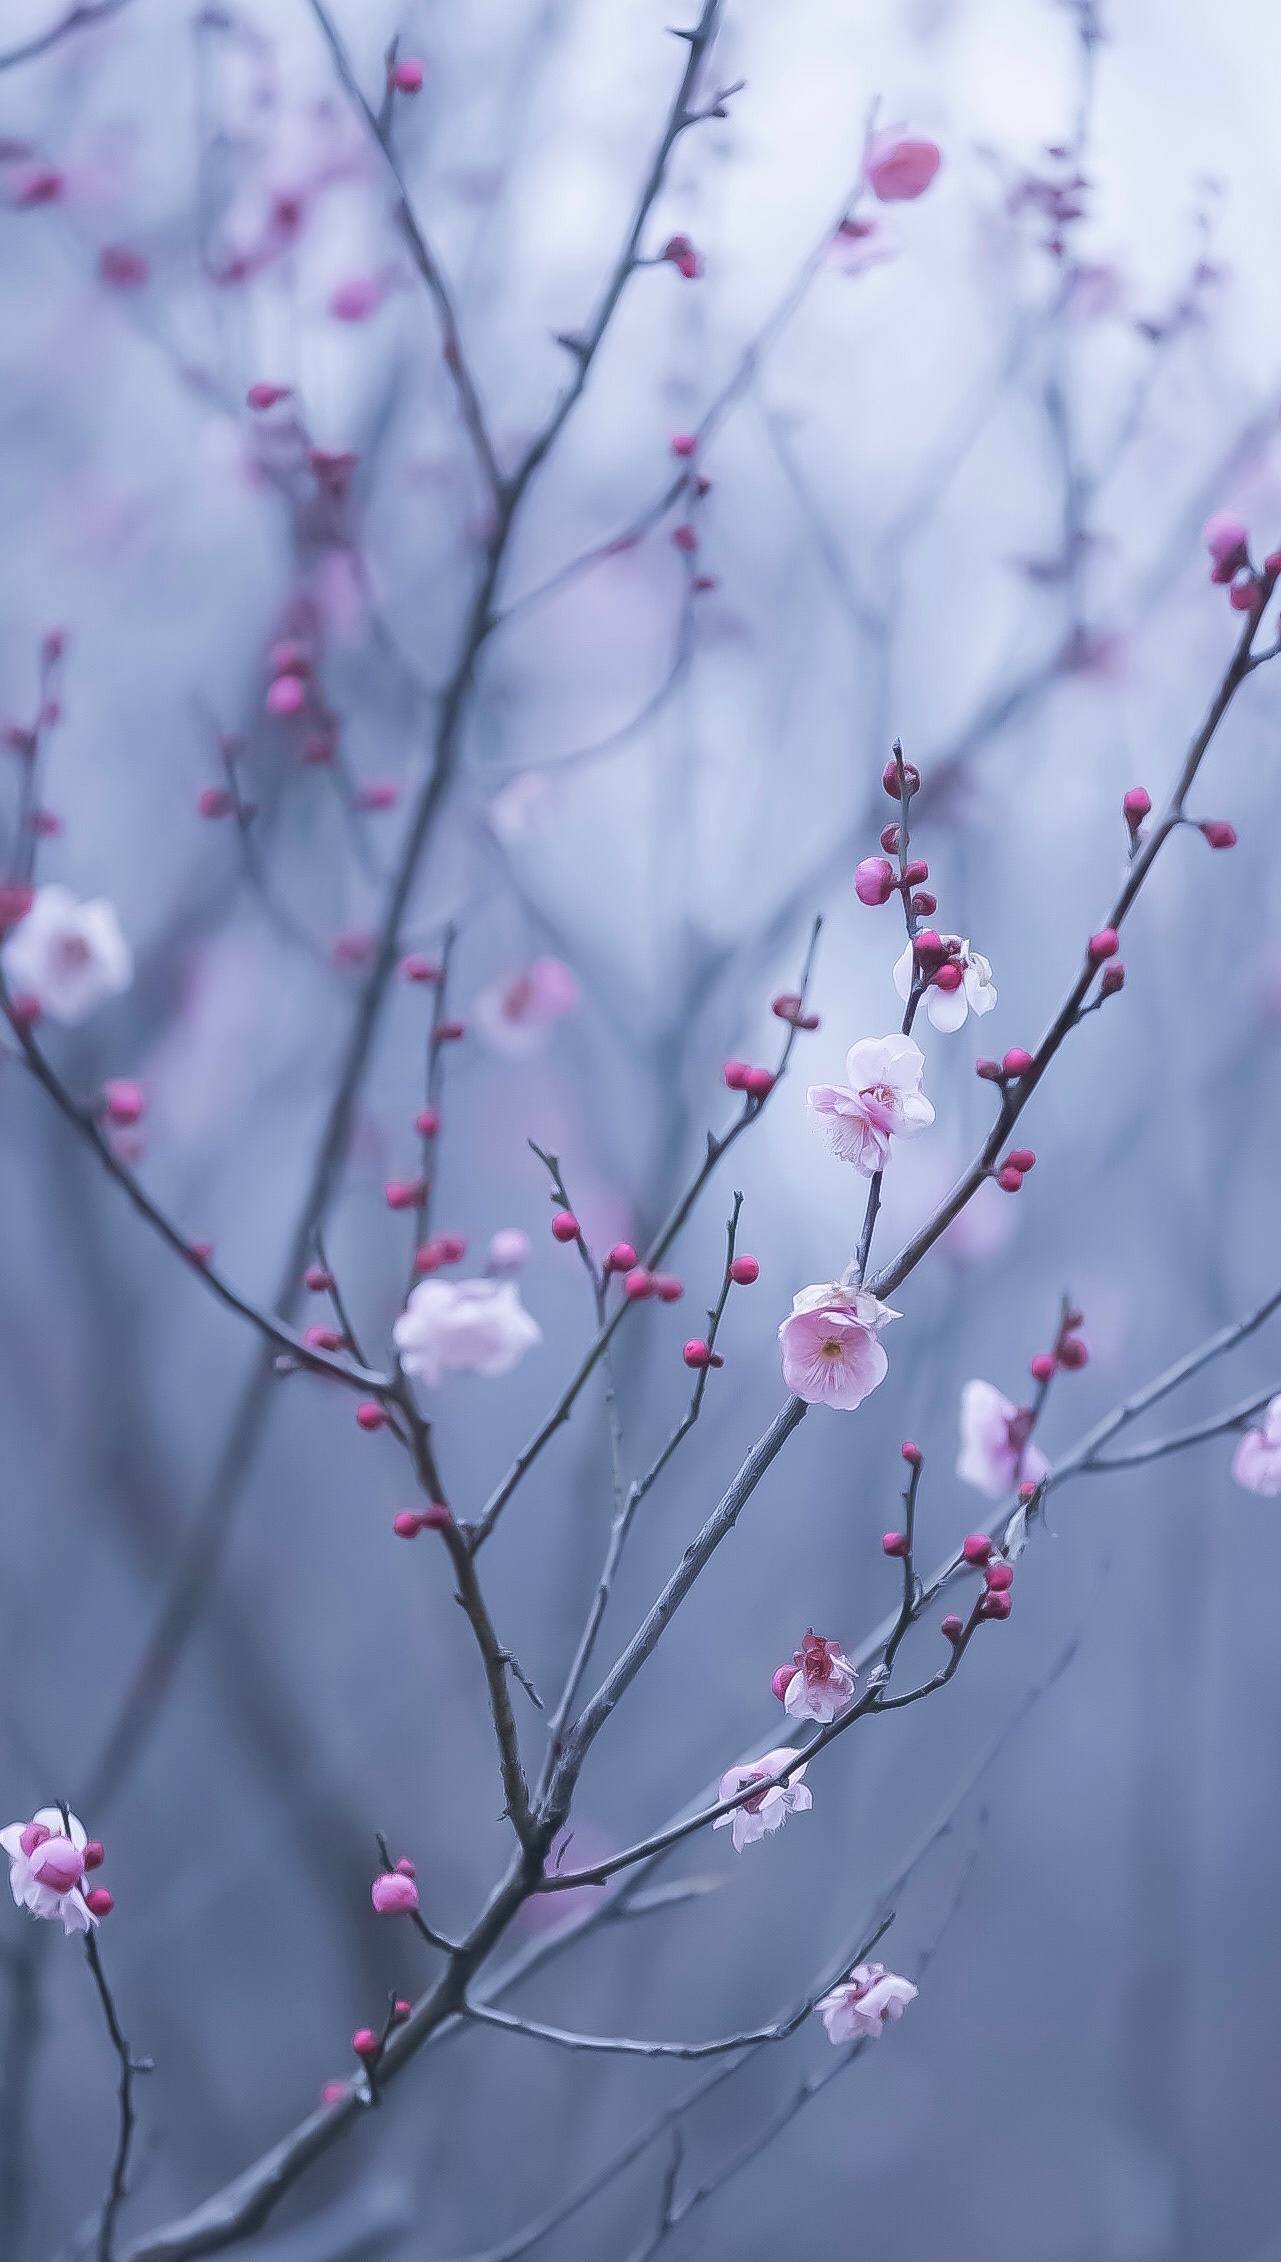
(880, 1099)
(871, 1999)
(464, 1327)
(46, 1867)
(948, 1009)
(768, 1809)
(68, 956)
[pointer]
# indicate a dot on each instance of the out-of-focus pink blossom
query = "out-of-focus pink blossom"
(357, 298)
(949, 1008)
(831, 1355)
(881, 1099)
(871, 1999)
(1227, 539)
(996, 1451)
(464, 1327)
(1256, 1464)
(46, 1866)
(69, 956)
(517, 1014)
(899, 167)
(508, 1250)
(823, 1683)
(767, 1809)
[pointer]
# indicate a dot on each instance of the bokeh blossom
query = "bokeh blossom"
(517, 1014)
(996, 1450)
(464, 1327)
(67, 955)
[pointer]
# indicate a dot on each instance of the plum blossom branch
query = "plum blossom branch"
(424, 258)
(86, 1122)
(623, 2045)
(718, 1145)
(130, 2067)
(76, 19)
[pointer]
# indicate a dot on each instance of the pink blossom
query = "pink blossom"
(1256, 1464)
(823, 1683)
(899, 168)
(881, 1098)
(865, 2004)
(1226, 538)
(948, 1009)
(508, 1250)
(46, 1866)
(768, 1809)
(69, 956)
(517, 1014)
(831, 1356)
(996, 1452)
(357, 298)
(464, 1327)
(394, 1894)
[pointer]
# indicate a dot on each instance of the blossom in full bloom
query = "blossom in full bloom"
(47, 1866)
(831, 1356)
(69, 956)
(900, 167)
(1256, 1464)
(464, 1327)
(517, 1014)
(880, 1099)
(974, 993)
(823, 1683)
(996, 1449)
(865, 2003)
(767, 1809)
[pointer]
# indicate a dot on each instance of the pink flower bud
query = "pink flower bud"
(1021, 1159)
(1009, 1180)
(638, 1284)
(436, 1517)
(621, 1258)
(1016, 1062)
(679, 252)
(394, 1894)
(696, 1352)
(1073, 1353)
(976, 1548)
(122, 1100)
(995, 1606)
(1027, 1494)
(952, 1626)
(899, 168)
(401, 2010)
(874, 881)
(406, 1525)
(99, 1902)
(916, 874)
(1104, 945)
(1113, 979)
(369, 1414)
(744, 1271)
(365, 2043)
(685, 538)
(404, 1193)
(263, 396)
(929, 949)
(1000, 1577)
(1042, 1366)
(333, 2093)
(450, 1032)
(760, 1083)
(911, 1453)
(323, 1338)
(781, 1681)
(451, 1248)
(407, 77)
(1245, 596)
(1219, 832)
(668, 1288)
(924, 905)
(894, 1543)
(1225, 537)
(684, 444)
(417, 968)
(318, 1279)
(989, 1070)
(95, 1853)
(564, 1226)
(1137, 804)
(890, 779)
(58, 1864)
(949, 978)
(736, 1073)
(427, 1122)
(889, 839)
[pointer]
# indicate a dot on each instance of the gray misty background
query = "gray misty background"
(936, 475)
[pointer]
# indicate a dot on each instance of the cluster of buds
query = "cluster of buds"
(1227, 539)
(1011, 1068)
(639, 1284)
(442, 1249)
(789, 1006)
(757, 1083)
(1070, 1351)
(998, 1577)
